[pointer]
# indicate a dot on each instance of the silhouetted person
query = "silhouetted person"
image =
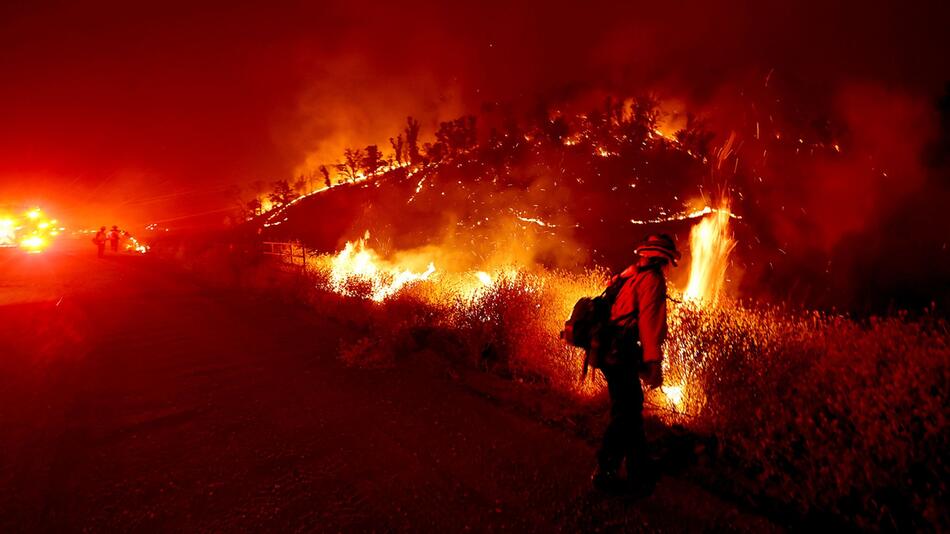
(638, 314)
(114, 238)
(100, 241)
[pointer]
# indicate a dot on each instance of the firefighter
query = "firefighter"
(100, 241)
(638, 316)
(114, 238)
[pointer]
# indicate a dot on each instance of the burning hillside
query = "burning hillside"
(444, 184)
(572, 189)
(480, 249)
(524, 197)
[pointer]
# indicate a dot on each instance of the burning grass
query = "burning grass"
(822, 413)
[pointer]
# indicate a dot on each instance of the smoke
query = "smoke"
(859, 77)
(827, 187)
(178, 97)
(330, 118)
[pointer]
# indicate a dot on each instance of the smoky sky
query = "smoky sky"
(150, 111)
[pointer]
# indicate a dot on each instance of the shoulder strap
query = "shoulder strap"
(611, 292)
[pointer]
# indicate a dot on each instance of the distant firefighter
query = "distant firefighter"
(114, 238)
(100, 241)
(633, 352)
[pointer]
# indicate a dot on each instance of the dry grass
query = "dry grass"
(824, 413)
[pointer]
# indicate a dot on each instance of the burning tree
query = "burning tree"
(283, 193)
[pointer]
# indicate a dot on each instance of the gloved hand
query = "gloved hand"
(652, 374)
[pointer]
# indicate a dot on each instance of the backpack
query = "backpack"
(590, 327)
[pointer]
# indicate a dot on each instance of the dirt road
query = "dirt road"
(132, 398)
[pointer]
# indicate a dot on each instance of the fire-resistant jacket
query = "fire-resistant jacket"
(643, 293)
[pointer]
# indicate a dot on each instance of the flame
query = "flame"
(357, 263)
(710, 244)
(359, 271)
(674, 394)
(484, 278)
(694, 214)
(483, 296)
(133, 245)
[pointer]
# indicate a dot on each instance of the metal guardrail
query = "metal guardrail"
(288, 252)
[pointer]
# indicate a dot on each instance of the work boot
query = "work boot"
(607, 480)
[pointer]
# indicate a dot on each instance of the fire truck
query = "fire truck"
(28, 230)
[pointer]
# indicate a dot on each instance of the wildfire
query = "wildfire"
(536, 221)
(710, 243)
(484, 278)
(133, 245)
(360, 271)
(674, 394)
(694, 214)
(358, 265)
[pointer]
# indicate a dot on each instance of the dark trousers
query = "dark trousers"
(624, 437)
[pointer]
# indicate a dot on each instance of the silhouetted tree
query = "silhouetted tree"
(326, 176)
(399, 148)
(373, 160)
(412, 141)
(435, 152)
(282, 193)
(695, 137)
(254, 206)
(613, 112)
(643, 117)
(457, 135)
(352, 162)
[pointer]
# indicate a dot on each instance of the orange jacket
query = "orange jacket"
(645, 293)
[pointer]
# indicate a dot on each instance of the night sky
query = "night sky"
(139, 112)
